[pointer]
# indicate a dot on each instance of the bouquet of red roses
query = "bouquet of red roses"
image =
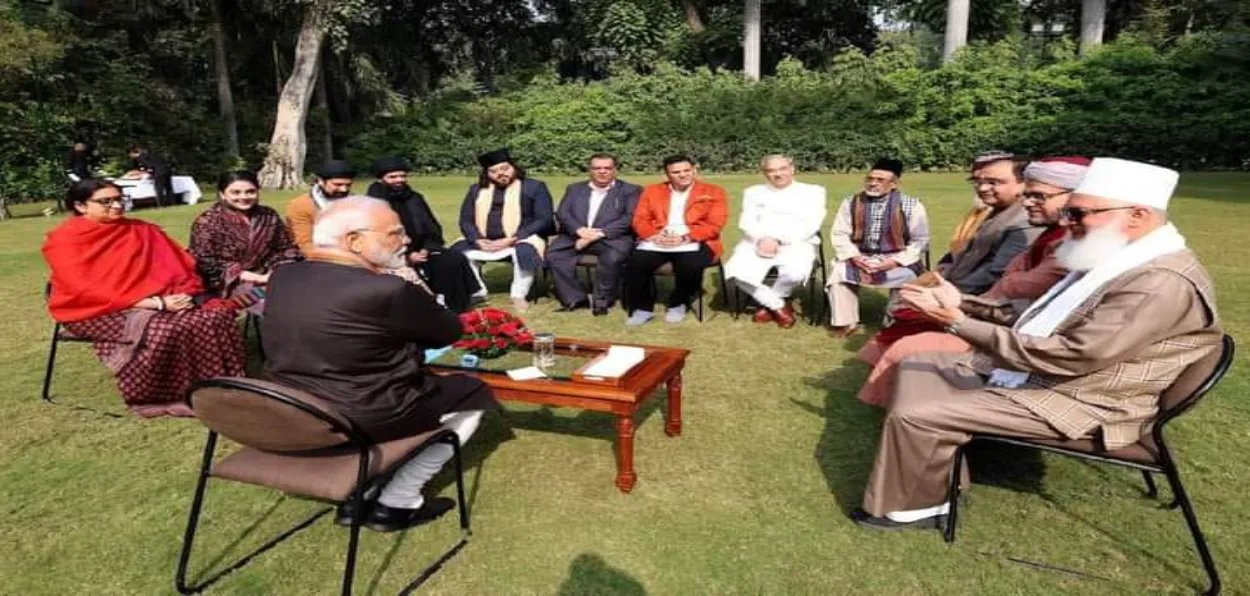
(490, 332)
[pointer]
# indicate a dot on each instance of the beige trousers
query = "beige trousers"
(936, 407)
(844, 295)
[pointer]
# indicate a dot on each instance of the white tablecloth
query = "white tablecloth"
(184, 186)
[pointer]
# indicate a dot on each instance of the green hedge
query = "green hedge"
(1187, 106)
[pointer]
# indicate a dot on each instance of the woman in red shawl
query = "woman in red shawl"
(238, 242)
(129, 288)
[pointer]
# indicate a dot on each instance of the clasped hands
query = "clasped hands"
(767, 247)
(668, 240)
(871, 266)
(938, 303)
(496, 245)
(171, 302)
(587, 236)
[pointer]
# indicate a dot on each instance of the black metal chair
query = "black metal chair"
(59, 334)
(1150, 454)
(815, 299)
(296, 443)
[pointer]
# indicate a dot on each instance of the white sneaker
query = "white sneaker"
(675, 314)
(639, 318)
(520, 304)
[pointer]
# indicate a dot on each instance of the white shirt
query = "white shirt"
(596, 201)
(677, 211)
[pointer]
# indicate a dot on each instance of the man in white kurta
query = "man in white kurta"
(879, 237)
(779, 223)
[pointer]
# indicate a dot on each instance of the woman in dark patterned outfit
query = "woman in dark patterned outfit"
(238, 242)
(132, 290)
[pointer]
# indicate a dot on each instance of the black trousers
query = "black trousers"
(562, 260)
(451, 275)
(164, 185)
(687, 273)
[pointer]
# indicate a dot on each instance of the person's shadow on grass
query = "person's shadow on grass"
(590, 574)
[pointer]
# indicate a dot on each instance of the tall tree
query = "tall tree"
(284, 164)
(956, 28)
(225, 97)
(1093, 19)
(751, 40)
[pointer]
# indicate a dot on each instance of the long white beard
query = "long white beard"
(1098, 246)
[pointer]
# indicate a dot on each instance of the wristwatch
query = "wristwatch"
(953, 328)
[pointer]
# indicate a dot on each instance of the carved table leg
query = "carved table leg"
(672, 426)
(625, 476)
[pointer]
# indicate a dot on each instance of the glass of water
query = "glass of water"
(544, 350)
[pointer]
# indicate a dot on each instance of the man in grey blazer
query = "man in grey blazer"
(595, 218)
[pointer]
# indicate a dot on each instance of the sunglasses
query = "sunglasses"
(1077, 214)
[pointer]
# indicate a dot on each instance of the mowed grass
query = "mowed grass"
(751, 499)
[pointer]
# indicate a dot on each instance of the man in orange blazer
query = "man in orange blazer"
(677, 221)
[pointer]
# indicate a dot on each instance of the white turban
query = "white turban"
(1064, 172)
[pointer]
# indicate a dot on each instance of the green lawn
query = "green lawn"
(751, 499)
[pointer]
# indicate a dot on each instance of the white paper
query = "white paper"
(617, 362)
(528, 373)
(653, 247)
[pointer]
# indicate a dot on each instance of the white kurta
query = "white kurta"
(792, 215)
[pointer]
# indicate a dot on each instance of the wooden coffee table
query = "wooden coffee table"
(661, 365)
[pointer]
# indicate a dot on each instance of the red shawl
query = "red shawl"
(102, 268)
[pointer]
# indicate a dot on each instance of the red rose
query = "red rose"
(480, 328)
(493, 331)
(524, 338)
(510, 328)
(495, 317)
(480, 344)
(501, 343)
(470, 318)
(464, 343)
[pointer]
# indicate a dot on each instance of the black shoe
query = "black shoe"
(885, 524)
(347, 512)
(392, 519)
(601, 311)
(583, 303)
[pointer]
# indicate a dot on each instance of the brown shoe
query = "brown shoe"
(763, 315)
(784, 317)
(844, 331)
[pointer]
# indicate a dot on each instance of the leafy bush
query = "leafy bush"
(1186, 106)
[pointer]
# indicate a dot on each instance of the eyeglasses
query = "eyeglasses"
(1077, 214)
(1041, 196)
(393, 234)
(108, 202)
(995, 182)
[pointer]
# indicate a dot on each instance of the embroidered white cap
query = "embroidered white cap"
(1129, 181)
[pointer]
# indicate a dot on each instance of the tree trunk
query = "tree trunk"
(225, 98)
(1093, 19)
(323, 103)
(956, 28)
(284, 164)
(751, 40)
(692, 16)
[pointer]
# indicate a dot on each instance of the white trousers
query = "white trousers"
(522, 280)
(774, 298)
(404, 489)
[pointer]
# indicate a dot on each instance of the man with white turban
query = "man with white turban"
(1087, 360)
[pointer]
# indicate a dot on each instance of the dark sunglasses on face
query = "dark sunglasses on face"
(1077, 214)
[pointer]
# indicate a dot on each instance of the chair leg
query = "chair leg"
(459, 467)
(193, 520)
(952, 494)
(353, 542)
(46, 395)
(1152, 491)
(1191, 519)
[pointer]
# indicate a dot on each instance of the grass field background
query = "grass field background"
(751, 499)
